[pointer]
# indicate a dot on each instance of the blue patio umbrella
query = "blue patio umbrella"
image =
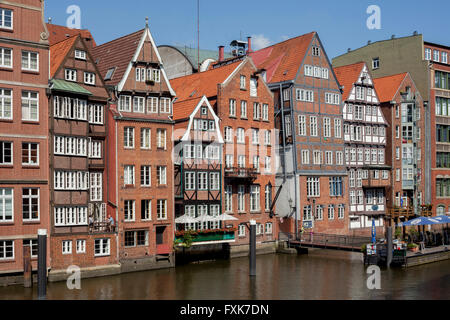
(422, 221)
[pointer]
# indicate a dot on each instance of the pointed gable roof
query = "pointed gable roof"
(202, 84)
(117, 54)
(387, 87)
(183, 109)
(58, 52)
(348, 76)
(61, 33)
(283, 60)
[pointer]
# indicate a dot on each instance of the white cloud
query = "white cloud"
(259, 41)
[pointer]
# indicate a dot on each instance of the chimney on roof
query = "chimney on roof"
(369, 42)
(221, 53)
(249, 47)
(349, 49)
(393, 37)
(415, 33)
(50, 20)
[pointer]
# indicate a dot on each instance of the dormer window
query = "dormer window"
(71, 75)
(6, 19)
(80, 54)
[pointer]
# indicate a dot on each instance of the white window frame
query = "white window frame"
(81, 246)
(3, 53)
(29, 102)
(104, 250)
(162, 204)
(89, 78)
(27, 55)
(129, 175)
(70, 75)
(3, 12)
(6, 102)
(125, 103)
(66, 246)
(4, 198)
(29, 163)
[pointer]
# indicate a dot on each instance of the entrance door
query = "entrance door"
(160, 235)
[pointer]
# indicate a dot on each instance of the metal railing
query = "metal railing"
(325, 240)
(243, 173)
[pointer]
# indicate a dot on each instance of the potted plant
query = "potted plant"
(413, 247)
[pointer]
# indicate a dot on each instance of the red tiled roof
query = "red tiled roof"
(58, 52)
(283, 60)
(348, 75)
(183, 109)
(387, 87)
(61, 33)
(202, 84)
(116, 54)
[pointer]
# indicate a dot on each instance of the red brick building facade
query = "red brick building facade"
(140, 166)
(403, 108)
(308, 115)
(241, 99)
(24, 176)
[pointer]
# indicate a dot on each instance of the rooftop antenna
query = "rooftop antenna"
(198, 34)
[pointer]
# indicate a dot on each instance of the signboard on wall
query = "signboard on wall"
(307, 224)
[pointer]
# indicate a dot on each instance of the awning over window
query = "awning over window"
(66, 86)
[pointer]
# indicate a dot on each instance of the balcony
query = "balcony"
(199, 237)
(376, 183)
(241, 173)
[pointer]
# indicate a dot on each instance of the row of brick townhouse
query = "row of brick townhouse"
(242, 168)
(118, 163)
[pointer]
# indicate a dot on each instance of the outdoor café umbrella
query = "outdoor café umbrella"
(421, 221)
(185, 219)
(226, 217)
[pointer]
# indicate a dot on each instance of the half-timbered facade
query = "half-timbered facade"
(198, 167)
(239, 96)
(81, 233)
(140, 162)
(403, 108)
(365, 147)
(308, 115)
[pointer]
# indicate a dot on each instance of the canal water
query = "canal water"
(320, 275)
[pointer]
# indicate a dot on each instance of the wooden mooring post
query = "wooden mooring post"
(27, 268)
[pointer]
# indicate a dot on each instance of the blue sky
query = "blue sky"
(340, 24)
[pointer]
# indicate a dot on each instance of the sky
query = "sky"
(340, 24)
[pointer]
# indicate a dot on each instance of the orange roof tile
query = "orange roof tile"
(348, 75)
(61, 33)
(58, 52)
(202, 84)
(283, 60)
(117, 54)
(183, 109)
(387, 87)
